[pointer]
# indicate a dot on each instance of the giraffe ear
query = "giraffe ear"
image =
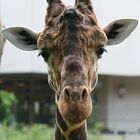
(119, 30)
(21, 37)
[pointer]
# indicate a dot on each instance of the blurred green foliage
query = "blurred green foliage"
(44, 132)
(22, 132)
(7, 100)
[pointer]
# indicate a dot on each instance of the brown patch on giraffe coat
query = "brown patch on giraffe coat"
(78, 134)
(58, 134)
(61, 122)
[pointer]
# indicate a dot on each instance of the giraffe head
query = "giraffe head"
(71, 43)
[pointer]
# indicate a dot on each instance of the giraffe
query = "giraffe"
(71, 44)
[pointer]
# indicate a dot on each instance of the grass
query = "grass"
(35, 132)
(43, 132)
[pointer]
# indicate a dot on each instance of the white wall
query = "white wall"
(121, 59)
(27, 13)
(124, 113)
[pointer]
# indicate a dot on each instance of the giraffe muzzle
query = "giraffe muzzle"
(75, 93)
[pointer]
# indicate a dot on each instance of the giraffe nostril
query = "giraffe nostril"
(75, 94)
(84, 94)
(66, 94)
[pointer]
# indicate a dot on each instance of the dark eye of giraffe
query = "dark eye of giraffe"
(44, 54)
(100, 51)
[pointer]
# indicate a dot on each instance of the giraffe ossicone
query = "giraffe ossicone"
(71, 43)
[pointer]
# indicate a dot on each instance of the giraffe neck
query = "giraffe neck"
(65, 131)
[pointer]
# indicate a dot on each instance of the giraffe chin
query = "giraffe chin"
(75, 113)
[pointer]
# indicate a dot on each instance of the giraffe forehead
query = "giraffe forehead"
(60, 33)
(70, 41)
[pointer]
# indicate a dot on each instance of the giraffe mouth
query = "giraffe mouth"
(75, 112)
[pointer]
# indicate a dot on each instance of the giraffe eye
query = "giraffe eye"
(100, 51)
(44, 54)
